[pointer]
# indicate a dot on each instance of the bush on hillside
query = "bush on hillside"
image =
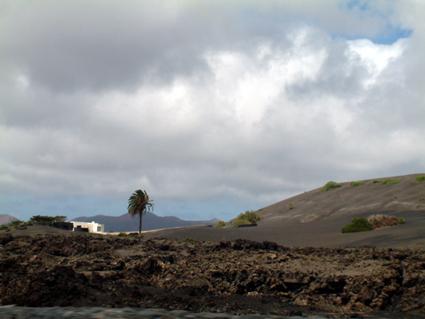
(391, 181)
(372, 222)
(241, 222)
(357, 183)
(246, 218)
(420, 178)
(220, 224)
(358, 224)
(331, 185)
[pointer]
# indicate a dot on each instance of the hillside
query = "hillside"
(380, 195)
(315, 218)
(5, 219)
(150, 221)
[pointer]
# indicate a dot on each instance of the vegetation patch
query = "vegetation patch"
(248, 218)
(379, 220)
(331, 185)
(220, 224)
(46, 220)
(16, 224)
(357, 183)
(54, 221)
(358, 224)
(390, 181)
(420, 178)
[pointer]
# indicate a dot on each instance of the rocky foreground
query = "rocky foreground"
(8, 312)
(234, 277)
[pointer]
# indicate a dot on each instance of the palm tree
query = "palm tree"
(138, 204)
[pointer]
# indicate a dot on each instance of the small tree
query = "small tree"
(46, 220)
(138, 204)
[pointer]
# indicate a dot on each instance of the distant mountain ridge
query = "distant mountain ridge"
(5, 219)
(150, 221)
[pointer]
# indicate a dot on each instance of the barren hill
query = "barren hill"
(315, 218)
(381, 195)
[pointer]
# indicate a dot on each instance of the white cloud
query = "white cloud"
(208, 112)
(374, 57)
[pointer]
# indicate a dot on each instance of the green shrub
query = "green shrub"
(358, 224)
(291, 206)
(331, 185)
(401, 220)
(46, 220)
(122, 234)
(246, 218)
(357, 183)
(420, 178)
(240, 222)
(16, 223)
(250, 216)
(220, 224)
(390, 181)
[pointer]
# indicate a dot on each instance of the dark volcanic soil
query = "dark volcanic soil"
(238, 277)
(315, 218)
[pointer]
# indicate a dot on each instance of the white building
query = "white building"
(92, 227)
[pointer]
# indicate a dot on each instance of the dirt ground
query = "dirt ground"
(318, 233)
(315, 218)
(231, 276)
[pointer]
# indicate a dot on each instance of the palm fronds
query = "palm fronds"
(138, 204)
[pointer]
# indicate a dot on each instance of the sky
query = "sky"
(213, 107)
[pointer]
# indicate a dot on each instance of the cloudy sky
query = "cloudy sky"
(213, 107)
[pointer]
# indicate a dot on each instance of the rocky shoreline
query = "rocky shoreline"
(238, 277)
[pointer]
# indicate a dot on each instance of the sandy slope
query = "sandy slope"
(372, 196)
(315, 218)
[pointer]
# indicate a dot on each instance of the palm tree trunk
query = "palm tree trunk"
(140, 223)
